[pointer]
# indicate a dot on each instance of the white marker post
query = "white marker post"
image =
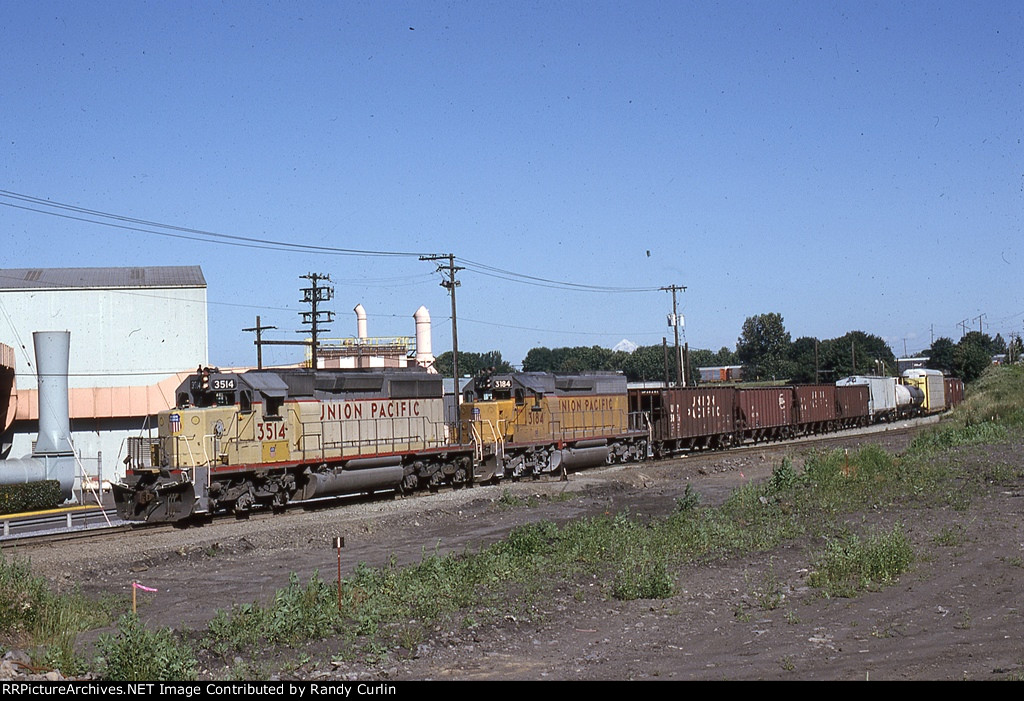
(339, 543)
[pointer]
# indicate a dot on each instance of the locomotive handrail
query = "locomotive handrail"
(478, 447)
(496, 436)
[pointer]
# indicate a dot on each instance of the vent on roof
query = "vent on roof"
(33, 275)
(138, 274)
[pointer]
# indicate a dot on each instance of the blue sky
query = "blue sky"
(851, 166)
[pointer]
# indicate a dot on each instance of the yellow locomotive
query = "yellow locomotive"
(528, 423)
(267, 437)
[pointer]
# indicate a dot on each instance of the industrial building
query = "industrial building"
(135, 334)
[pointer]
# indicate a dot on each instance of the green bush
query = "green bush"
(645, 579)
(851, 564)
(31, 496)
(139, 654)
(50, 622)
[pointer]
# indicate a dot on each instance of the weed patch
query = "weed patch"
(851, 564)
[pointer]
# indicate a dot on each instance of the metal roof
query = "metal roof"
(87, 278)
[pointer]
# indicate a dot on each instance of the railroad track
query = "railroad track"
(46, 527)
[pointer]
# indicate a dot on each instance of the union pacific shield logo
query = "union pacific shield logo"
(175, 420)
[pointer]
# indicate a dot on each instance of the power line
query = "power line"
(119, 221)
(186, 232)
(511, 276)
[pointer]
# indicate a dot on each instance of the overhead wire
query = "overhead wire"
(94, 216)
(186, 232)
(512, 276)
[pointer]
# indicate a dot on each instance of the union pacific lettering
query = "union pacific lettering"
(704, 406)
(369, 409)
(587, 404)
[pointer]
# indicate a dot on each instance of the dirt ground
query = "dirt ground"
(955, 615)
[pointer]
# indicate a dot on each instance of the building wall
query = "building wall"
(120, 337)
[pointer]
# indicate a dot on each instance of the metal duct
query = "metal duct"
(360, 321)
(52, 370)
(53, 457)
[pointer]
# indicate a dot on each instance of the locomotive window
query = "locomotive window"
(225, 398)
(245, 401)
(184, 400)
(272, 407)
(520, 398)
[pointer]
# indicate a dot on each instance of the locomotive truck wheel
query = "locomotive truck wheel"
(460, 476)
(243, 503)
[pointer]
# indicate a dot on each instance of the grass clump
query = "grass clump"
(996, 397)
(139, 654)
(298, 612)
(33, 616)
(954, 435)
(851, 564)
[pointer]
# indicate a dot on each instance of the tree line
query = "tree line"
(764, 348)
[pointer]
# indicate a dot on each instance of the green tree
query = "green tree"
(940, 355)
(998, 345)
(540, 359)
(802, 356)
(471, 363)
(763, 347)
(972, 355)
(647, 363)
(856, 353)
(573, 359)
(1014, 349)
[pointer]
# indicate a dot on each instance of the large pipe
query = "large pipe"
(52, 351)
(53, 457)
(424, 351)
(360, 321)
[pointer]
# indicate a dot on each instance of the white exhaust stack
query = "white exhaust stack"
(424, 352)
(360, 321)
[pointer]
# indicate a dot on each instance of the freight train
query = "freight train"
(264, 438)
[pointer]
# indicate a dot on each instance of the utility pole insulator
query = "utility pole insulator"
(674, 322)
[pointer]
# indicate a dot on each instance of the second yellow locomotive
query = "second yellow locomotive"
(528, 423)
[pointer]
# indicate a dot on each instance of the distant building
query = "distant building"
(363, 351)
(721, 373)
(135, 334)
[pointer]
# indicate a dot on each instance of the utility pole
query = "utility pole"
(664, 350)
(313, 296)
(259, 340)
(450, 283)
(979, 318)
(674, 323)
(963, 327)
